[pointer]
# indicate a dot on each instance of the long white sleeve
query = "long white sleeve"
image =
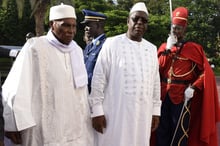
(99, 81)
(17, 81)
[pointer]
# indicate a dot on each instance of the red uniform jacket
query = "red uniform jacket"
(184, 69)
(205, 106)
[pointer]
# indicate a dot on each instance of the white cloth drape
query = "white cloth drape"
(79, 72)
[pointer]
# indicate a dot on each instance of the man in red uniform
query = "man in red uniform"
(190, 108)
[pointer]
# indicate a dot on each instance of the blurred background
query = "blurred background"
(19, 17)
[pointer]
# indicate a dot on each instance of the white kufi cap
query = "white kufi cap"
(61, 11)
(140, 6)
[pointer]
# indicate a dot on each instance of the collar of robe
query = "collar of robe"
(77, 64)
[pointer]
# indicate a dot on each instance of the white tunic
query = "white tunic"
(126, 89)
(41, 100)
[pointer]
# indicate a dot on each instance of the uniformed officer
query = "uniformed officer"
(190, 105)
(94, 23)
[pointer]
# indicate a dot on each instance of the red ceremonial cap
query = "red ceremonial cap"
(180, 16)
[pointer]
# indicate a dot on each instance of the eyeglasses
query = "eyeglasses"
(136, 19)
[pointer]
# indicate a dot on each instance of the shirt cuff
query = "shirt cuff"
(156, 111)
(13, 53)
(97, 110)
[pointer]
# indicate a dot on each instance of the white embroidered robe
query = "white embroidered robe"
(41, 101)
(126, 89)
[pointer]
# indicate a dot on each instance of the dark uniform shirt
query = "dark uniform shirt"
(90, 56)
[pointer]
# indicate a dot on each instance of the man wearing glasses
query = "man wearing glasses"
(125, 93)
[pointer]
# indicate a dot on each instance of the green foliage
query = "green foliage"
(158, 29)
(216, 70)
(203, 23)
(116, 22)
(7, 33)
(124, 4)
(13, 29)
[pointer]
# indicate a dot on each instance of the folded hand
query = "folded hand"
(99, 123)
(155, 123)
(14, 136)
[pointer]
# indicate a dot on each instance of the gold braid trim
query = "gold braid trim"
(185, 131)
(181, 58)
(187, 73)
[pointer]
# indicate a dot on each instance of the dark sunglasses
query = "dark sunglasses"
(136, 19)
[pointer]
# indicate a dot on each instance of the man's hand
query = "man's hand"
(171, 40)
(1, 143)
(98, 123)
(189, 93)
(14, 136)
(155, 123)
